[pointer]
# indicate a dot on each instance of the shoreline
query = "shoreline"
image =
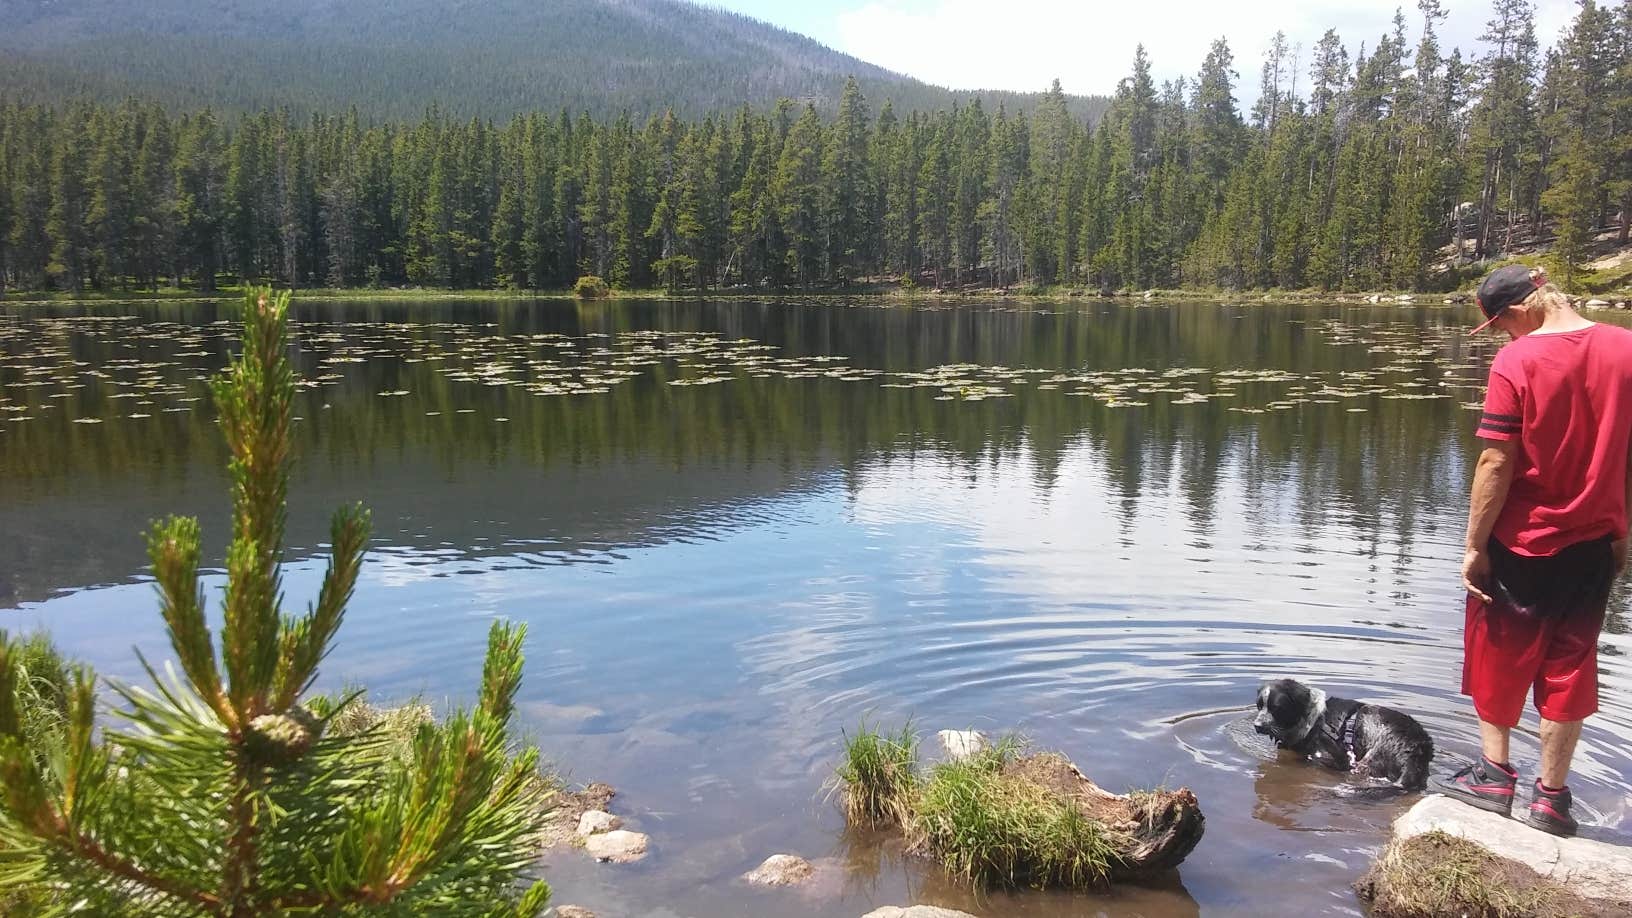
(1052, 295)
(880, 297)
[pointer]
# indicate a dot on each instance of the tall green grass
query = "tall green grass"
(878, 777)
(995, 828)
(983, 821)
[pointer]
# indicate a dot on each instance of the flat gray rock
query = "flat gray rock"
(571, 911)
(916, 911)
(1589, 868)
(619, 847)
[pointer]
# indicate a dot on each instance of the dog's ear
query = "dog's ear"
(1287, 701)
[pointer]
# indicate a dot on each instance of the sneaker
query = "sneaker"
(1550, 812)
(1483, 784)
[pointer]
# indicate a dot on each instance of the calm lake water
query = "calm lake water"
(737, 528)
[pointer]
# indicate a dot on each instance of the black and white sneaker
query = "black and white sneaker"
(1483, 784)
(1550, 812)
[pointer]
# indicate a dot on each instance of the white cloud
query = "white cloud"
(1023, 44)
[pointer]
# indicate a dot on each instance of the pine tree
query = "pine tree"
(935, 203)
(1001, 212)
(846, 177)
(509, 226)
(30, 195)
(1218, 129)
(68, 222)
(199, 185)
(223, 791)
(1619, 186)
(973, 131)
(1580, 77)
(153, 206)
(1504, 122)
(1050, 242)
(797, 190)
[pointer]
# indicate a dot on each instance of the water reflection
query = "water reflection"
(721, 577)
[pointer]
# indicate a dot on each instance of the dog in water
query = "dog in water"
(1364, 739)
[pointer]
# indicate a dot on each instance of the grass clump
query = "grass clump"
(590, 287)
(878, 777)
(43, 683)
(1010, 816)
(990, 824)
(1436, 874)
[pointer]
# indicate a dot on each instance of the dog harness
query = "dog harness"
(1343, 736)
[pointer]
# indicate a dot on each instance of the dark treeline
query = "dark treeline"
(1351, 172)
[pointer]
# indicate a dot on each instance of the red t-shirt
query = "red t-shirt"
(1567, 398)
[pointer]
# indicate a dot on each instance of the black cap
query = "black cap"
(1504, 287)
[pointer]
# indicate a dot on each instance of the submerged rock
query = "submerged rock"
(916, 911)
(572, 911)
(961, 744)
(1591, 868)
(780, 870)
(620, 846)
(594, 822)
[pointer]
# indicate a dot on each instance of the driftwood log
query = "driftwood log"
(1158, 828)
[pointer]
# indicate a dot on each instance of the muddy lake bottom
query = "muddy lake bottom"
(736, 529)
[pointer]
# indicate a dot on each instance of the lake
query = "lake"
(737, 528)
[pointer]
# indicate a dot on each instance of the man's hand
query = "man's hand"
(1476, 571)
(1618, 549)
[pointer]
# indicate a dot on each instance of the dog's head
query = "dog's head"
(1287, 710)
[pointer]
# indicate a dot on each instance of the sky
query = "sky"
(1089, 46)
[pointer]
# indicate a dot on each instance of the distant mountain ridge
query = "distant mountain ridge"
(393, 58)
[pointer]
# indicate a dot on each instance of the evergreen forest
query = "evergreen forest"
(1394, 163)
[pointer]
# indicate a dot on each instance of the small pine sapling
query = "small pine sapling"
(218, 791)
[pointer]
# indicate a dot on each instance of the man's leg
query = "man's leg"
(1558, 739)
(1497, 675)
(1551, 804)
(1494, 740)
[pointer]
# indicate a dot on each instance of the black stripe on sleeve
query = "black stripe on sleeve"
(1489, 416)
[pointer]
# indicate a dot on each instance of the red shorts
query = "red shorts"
(1508, 654)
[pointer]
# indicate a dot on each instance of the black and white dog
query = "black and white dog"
(1351, 736)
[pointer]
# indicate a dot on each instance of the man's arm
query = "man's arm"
(1491, 479)
(1619, 545)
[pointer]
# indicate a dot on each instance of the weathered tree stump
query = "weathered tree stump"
(1157, 829)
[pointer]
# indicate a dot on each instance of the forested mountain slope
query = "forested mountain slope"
(394, 58)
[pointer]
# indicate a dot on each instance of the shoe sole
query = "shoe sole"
(1474, 800)
(1549, 825)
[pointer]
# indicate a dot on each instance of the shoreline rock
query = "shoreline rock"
(619, 846)
(1595, 869)
(780, 870)
(1447, 858)
(916, 911)
(569, 809)
(961, 744)
(594, 822)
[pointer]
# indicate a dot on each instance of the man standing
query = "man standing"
(1547, 526)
